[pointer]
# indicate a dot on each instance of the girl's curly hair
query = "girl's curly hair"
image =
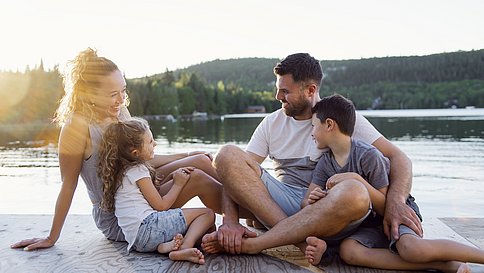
(115, 156)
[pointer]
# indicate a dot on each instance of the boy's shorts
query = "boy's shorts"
(374, 237)
(159, 227)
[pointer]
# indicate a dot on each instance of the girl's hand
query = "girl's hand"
(182, 175)
(317, 194)
(34, 243)
(340, 177)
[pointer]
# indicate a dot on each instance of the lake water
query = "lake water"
(447, 151)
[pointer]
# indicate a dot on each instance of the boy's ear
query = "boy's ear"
(330, 123)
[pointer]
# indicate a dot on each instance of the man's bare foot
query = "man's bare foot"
(464, 268)
(188, 254)
(171, 245)
(210, 243)
(315, 249)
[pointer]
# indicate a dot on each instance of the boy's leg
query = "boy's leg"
(418, 250)
(354, 253)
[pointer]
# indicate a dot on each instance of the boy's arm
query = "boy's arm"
(396, 211)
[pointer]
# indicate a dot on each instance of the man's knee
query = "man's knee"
(226, 154)
(353, 198)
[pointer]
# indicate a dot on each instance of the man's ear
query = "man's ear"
(312, 89)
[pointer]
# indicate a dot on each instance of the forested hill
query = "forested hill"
(256, 73)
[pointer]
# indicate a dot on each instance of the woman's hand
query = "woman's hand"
(207, 154)
(34, 243)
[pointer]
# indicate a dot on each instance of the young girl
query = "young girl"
(130, 189)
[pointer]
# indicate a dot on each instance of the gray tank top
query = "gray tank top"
(105, 221)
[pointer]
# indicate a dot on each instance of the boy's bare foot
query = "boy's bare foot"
(315, 249)
(171, 245)
(188, 254)
(464, 268)
(210, 243)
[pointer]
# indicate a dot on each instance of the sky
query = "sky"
(146, 37)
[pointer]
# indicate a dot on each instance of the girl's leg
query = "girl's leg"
(199, 161)
(354, 253)
(418, 250)
(200, 184)
(199, 222)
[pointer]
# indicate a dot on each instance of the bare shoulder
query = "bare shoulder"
(74, 134)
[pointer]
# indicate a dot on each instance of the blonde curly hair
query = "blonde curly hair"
(81, 78)
(115, 156)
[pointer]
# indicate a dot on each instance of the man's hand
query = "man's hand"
(397, 213)
(230, 236)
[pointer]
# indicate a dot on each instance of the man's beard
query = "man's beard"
(296, 109)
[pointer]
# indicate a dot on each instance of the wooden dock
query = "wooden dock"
(82, 248)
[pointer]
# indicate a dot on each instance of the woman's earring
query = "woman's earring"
(92, 104)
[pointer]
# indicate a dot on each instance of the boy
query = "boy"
(348, 159)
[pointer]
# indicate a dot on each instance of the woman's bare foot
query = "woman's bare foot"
(315, 249)
(188, 254)
(210, 243)
(171, 245)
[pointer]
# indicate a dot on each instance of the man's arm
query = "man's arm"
(396, 211)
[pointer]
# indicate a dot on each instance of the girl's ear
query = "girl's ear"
(135, 152)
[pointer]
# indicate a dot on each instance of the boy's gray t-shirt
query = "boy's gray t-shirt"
(364, 159)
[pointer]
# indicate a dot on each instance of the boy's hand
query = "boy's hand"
(340, 177)
(182, 175)
(316, 194)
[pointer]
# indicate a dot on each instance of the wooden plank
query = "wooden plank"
(82, 248)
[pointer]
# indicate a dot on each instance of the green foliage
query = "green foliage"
(231, 86)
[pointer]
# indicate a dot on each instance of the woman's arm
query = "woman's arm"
(72, 144)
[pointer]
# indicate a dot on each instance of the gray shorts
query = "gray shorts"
(374, 237)
(159, 227)
(288, 197)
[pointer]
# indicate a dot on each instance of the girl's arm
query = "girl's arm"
(151, 194)
(72, 144)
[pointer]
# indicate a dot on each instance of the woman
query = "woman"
(95, 96)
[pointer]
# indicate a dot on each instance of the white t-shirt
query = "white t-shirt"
(131, 206)
(290, 145)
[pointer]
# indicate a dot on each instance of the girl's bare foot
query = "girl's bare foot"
(315, 249)
(171, 245)
(464, 268)
(210, 243)
(188, 254)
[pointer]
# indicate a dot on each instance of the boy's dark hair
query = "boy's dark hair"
(339, 109)
(302, 66)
